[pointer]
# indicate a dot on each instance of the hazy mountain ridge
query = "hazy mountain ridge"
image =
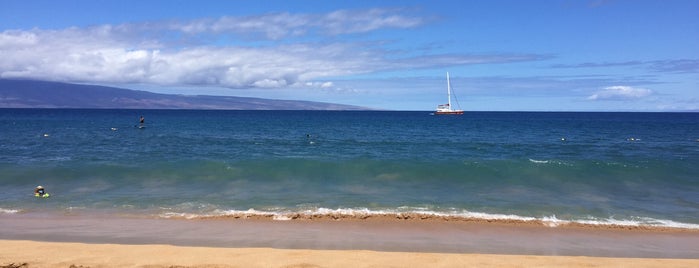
(43, 94)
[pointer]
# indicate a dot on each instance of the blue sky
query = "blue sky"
(567, 55)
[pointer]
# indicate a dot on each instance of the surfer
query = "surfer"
(40, 192)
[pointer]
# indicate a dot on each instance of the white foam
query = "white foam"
(344, 211)
(72, 209)
(416, 211)
(170, 215)
(641, 222)
(675, 224)
(281, 218)
(552, 221)
(9, 211)
(553, 162)
(280, 214)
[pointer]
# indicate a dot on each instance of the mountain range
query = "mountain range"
(44, 94)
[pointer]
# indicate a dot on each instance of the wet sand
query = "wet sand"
(386, 235)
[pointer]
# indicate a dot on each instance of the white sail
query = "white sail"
(446, 108)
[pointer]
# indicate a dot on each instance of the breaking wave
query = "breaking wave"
(424, 215)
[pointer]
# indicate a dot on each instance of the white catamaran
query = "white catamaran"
(444, 109)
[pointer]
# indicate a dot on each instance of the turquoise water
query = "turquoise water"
(603, 168)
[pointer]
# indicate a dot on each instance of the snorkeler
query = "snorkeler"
(40, 192)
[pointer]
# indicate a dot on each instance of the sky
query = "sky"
(501, 55)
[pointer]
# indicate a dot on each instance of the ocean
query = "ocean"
(636, 169)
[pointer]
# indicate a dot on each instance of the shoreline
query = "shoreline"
(53, 255)
(428, 217)
(358, 215)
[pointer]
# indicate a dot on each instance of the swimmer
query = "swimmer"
(40, 192)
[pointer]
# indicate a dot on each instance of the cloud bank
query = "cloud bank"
(620, 93)
(193, 53)
(280, 25)
(668, 66)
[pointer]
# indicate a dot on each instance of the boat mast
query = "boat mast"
(448, 91)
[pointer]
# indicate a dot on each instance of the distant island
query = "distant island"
(43, 94)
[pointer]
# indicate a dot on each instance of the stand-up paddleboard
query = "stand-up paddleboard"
(141, 123)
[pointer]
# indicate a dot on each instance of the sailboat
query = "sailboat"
(445, 109)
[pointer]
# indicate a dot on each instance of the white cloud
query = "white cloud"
(345, 21)
(17, 39)
(69, 55)
(620, 93)
(279, 25)
(320, 84)
(149, 53)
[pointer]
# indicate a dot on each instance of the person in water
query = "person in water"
(142, 120)
(40, 192)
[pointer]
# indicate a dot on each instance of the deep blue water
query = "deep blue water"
(589, 167)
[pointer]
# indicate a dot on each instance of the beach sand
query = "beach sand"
(91, 240)
(17, 253)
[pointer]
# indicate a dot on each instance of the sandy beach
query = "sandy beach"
(52, 254)
(106, 241)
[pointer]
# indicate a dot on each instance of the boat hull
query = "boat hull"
(449, 113)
